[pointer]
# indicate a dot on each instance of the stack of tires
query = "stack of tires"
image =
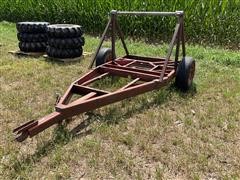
(65, 41)
(32, 36)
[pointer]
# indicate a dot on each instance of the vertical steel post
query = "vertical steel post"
(182, 35)
(178, 44)
(101, 42)
(120, 34)
(169, 51)
(113, 17)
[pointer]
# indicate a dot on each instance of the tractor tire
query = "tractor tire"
(25, 37)
(63, 53)
(185, 73)
(103, 56)
(32, 27)
(64, 31)
(67, 43)
(32, 46)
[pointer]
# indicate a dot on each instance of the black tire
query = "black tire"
(64, 53)
(32, 27)
(103, 56)
(64, 31)
(25, 37)
(32, 46)
(67, 43)
(185, 73)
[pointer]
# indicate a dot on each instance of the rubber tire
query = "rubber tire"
(25, 37)
(64, 31)
(183, 80)
(32, 46)
(103, 56)
(67, 43)
(32, 27)
(63, 53)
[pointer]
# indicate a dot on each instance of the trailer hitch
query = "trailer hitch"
(22, 131)
(34, 127)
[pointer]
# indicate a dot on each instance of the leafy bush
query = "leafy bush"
(214, 21)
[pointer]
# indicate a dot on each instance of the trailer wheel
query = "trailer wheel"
(185, 73)
(103, 56)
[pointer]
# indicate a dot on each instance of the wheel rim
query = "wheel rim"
(191, 74)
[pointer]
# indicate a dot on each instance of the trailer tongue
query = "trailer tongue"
(146, 74)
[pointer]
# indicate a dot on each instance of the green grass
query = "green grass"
(163, 134)
(205, 21)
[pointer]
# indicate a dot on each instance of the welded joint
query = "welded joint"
(113, 12)
(58, 98)
(179, 13)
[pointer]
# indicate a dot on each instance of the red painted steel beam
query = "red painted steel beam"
(129, 84)
(90, 75)
(132, 69)
(126, 62)
(94, 79)
(103, 100)
(142, 58)
(78, 89)
(170, 50)
(46, 122)
(84, 98)
(127, 73)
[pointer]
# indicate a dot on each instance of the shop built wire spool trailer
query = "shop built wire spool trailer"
(146, 73)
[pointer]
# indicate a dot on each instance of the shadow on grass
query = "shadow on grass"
(62, 63)
(119, 112)
(186, 94)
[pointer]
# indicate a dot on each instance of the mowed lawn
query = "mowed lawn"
(162, 134)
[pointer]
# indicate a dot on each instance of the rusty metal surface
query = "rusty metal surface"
(144, 13)
(94, 98)
(146, 73)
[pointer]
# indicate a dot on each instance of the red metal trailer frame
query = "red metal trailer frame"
(146, 73)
